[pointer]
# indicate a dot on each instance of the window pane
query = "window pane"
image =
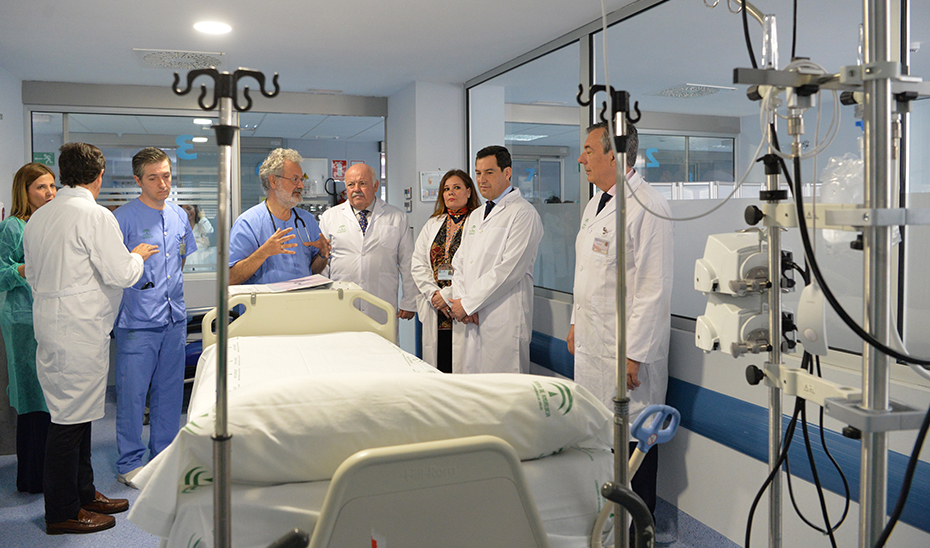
(532, 111)
(710, 159)
(662, 158)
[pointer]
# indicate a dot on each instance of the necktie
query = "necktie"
(363, 220)
(487, 208)
(604, 199)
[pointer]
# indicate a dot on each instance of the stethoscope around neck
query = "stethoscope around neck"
(297, 219)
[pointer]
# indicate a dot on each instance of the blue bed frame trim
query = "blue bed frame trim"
(743, 427)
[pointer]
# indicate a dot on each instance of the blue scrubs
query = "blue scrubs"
(151, 331)
(255, 226)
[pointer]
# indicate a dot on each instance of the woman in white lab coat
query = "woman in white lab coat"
(431, 266)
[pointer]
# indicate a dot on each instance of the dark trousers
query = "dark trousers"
(31, 435)
(444, 350)
(644, 481)
(69, 477)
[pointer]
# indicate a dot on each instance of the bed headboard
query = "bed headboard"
(305, 312)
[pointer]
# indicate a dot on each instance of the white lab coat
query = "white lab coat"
(494, 277)
(77, 266)
(422, 270)
(649, 273)
(377, 260)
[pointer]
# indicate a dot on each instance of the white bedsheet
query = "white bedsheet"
(294, 356)
(564, 487)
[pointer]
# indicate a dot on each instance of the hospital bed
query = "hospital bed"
(304, 409)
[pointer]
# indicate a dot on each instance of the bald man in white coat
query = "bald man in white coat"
(649, 250)
(371, 244)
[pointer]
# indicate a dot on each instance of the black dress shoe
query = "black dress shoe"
(103, 505)
(86, 522)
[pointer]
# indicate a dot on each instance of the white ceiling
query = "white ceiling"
(361, 47)
(375, 48)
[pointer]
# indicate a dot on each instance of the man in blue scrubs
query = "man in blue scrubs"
(275, 240)
(151, 327)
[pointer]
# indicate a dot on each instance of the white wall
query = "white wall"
(12, 148)
(425, 132)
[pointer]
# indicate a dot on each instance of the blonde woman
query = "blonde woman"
(33, 187)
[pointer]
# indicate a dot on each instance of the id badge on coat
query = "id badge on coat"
(444, 272)
(182, 251)
(601, 245)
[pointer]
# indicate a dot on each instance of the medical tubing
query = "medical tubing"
(789, 434)
(815, 269)
(805, 274)
(906, 484)
(829, 528)
(823, 442)
(810, 457)
(752, 55)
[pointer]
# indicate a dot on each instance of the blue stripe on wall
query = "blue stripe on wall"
(742, 427)
(552, 353)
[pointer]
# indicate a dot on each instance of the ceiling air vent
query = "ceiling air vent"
(689, 91)
(178, 60)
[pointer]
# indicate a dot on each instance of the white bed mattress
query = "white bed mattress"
(283, 439)
(564, 487)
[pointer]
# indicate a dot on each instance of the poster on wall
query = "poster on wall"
(429, 185)
(339, 169)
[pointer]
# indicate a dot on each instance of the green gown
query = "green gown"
(24, 390)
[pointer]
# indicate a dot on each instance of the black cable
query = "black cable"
(815, 268)
(794, 33)
(789, 434)
(906, 484)
(810, 456)
(805, 364)
(922, 434)
(752, 56)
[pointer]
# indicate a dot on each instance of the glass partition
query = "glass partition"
(324, 142)
(532, 111)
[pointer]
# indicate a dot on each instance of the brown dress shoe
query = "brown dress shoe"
(86, 522)
(103, 505)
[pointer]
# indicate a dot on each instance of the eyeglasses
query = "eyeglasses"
(295, 179)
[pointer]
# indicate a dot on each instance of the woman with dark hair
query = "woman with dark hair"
(432, 269)
(33, 187)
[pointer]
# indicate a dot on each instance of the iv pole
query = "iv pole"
(619, 110)
(224, 93)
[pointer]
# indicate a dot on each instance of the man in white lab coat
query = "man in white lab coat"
(492, 283)
(371, 244)
(77, 266)
(648, 247)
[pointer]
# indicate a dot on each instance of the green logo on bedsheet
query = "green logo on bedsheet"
(196, 477)
(557, 393)
(194, 542)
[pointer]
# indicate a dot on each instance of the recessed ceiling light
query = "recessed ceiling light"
(203, 121)
(212, 27)
(199, 139)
